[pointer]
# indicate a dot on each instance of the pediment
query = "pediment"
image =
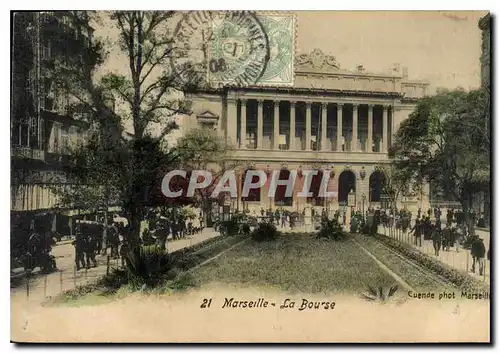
(207, 117)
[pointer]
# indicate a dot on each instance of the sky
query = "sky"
(440, 47)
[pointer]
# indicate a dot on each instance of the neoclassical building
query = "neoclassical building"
(331, 119)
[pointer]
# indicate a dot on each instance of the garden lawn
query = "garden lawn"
(297, 263)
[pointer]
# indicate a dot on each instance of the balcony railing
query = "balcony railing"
(27, 153)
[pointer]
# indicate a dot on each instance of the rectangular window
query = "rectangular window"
(65, 141)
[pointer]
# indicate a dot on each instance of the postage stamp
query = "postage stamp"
(235, 48)
(239, 50)
(280, 31)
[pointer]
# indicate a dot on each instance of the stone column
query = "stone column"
(276, 138)
(324, 112)
(339, 126)
(243, 126)
(354, 140)
(369, 141)
(385, 113)
(292, 126)
(308, 126)
(260, 125)
(231, 126)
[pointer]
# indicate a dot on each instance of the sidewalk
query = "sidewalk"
(38, 288)
(461, 260)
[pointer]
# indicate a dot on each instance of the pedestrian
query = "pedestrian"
(478, 251)
(283, 220)
(436, 240)
(79, 244)
(417, 232)
(90, 249)
(447, 238)
(124, 250)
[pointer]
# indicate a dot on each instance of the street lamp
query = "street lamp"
(350, 198)
(363, 198)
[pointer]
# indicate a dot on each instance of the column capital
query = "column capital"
(370, 105)
(243, 100)
(293, 103)
(308, 105)
(277, 102)
(260, 102)
(354, 105)
(324, 104)
(339, 105)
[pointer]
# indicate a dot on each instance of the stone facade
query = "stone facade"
(331, 119)
(484, 25)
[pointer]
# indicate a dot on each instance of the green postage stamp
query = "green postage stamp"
(249, 49)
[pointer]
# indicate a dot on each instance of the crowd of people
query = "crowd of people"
(454, 234)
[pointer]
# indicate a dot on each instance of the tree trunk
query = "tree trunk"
(205, 210)
(105, 232)
(134, 226)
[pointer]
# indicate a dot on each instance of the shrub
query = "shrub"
(147, 266)
(230, 227)
(245, 229)
(330, 229)
(265, 231)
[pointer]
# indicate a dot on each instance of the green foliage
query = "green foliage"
(201, 149)
(330, 229)
(231, 227)
(119, 165)
(265, 231)
(446, 141)
(147, 266)
(187, 212)
(380, 294)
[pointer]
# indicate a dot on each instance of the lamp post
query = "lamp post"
(350, 198)
(363, 198)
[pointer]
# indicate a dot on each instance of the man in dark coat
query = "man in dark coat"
(417, 232)
(79, 244)
(478, 251)
(447, 238)
(91, 246)
(436, 239)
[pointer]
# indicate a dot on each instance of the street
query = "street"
(38, 288)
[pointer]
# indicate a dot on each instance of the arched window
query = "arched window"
(253, 194)
(280, 198)
(376, 184)
(315, 187)
(347, 182)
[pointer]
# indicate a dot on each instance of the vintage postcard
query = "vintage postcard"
(250, 176)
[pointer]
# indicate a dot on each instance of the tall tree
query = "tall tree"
(202, 149)
(446, 142)
(132, 110)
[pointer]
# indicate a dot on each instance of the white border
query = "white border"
(193, 4)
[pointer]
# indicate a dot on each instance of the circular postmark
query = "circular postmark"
(215, 48)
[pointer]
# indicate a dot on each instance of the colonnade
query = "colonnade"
(323, 127)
